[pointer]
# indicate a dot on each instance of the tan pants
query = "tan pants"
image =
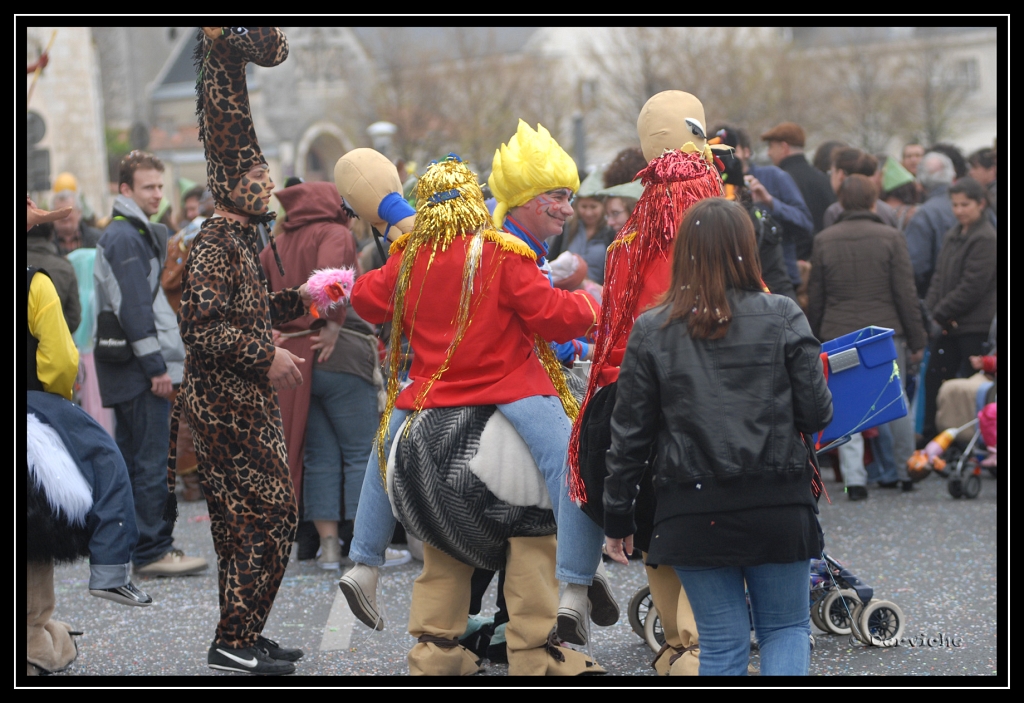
(50, 647)
(440, 609)
(677, 623)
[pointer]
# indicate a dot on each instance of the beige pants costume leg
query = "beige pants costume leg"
(440, 608)
(531, 596)
(50, 647)
(676, 658)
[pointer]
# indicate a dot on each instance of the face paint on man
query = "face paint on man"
(252, 194)
(545, 215)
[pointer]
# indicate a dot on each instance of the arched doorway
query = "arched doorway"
(318, 151)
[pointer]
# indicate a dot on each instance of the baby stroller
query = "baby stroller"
(840, 603)
(961, 467)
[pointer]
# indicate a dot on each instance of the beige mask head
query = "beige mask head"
(670, 119)
(363, 178)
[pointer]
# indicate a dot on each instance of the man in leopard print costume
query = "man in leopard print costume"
(232, 366)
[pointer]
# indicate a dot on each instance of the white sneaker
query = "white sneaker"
(396, 557)
(359, 584)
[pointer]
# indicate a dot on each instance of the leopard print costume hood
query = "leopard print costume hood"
(225, 119)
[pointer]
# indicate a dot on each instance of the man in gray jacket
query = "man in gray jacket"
(129, 257)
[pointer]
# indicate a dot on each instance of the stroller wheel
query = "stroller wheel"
(972, 486)
(639, 607)
(837, 610)
(817, 613)
(882, 623)
(858, 632)
(654, 634)
(956, 487)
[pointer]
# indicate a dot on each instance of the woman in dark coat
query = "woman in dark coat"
(962, 294)
(861, 275)
(718, 389)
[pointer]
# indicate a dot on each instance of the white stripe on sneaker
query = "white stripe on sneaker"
(249, 663)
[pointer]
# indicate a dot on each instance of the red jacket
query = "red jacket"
(512, 300)
(656, 281)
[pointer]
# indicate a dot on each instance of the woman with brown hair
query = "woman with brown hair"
(718, 389)
(847, 161)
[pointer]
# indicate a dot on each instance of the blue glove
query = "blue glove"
(566, 351)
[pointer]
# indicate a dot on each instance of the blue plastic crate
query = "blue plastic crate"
(865, 381)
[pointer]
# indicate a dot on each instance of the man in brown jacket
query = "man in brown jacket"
(860, 276)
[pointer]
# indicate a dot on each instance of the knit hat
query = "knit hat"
(530, 164)
(668, 121)
(789, 132)
(222, 106)
(895, 175)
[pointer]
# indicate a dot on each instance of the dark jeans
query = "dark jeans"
(143, 434)
(949, 357)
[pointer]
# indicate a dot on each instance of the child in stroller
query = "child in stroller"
(959, 454)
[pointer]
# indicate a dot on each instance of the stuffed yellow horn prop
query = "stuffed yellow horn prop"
(668, 121)
(364, 178)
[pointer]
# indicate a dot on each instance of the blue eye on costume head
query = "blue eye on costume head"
(240, 31)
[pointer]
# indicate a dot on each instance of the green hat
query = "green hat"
(624, 190)
(185, 185)
(591, 184)
(895, 175)
(165, 204)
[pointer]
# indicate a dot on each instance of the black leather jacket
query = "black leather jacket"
(723, 415)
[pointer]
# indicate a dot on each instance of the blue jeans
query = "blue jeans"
(143, 435)
(541, 422)
(339, 439)
(778, 603)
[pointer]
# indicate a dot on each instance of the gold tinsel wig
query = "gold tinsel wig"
(530, 164)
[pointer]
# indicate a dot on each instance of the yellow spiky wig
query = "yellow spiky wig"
(530, 164)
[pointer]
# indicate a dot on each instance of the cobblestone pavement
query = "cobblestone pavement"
(934, 556)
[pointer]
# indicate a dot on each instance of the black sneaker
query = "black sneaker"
(127, 594)
(276, 651)
(247, 660)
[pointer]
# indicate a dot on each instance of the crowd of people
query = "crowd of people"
(200, 352)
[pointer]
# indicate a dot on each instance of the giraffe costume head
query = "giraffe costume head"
(225, 119)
